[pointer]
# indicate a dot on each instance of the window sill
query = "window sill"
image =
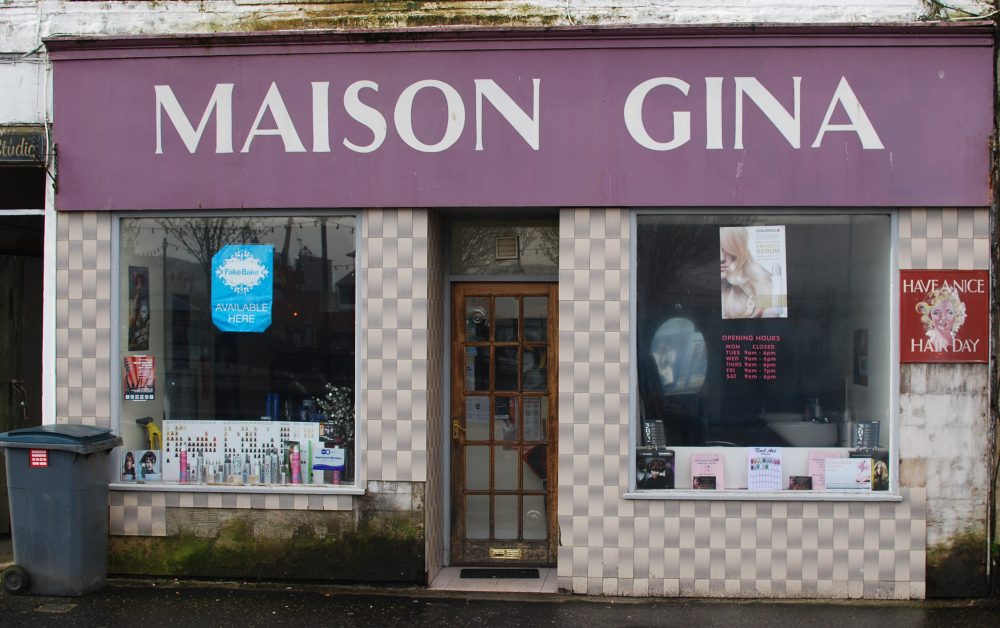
(271, 489)
(763, 496)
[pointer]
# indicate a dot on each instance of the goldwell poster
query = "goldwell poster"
(754, 272)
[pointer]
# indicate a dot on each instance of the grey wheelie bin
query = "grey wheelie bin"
(57, 478)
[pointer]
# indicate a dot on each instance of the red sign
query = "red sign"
(944, 316)
(38, 458)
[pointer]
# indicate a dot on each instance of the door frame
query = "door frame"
(454, 469)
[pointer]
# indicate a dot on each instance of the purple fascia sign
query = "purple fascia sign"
(837, 121)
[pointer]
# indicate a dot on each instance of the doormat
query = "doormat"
(499, 573)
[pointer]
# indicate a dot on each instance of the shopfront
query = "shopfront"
(23, 160)
(365, 307)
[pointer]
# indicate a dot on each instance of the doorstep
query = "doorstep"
(450, 579)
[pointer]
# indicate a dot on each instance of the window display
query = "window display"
(760, 332)
(237, 340)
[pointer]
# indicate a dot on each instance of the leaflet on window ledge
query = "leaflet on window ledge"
(764, 469)
(817, 466)
(707, 471)
(848, 474)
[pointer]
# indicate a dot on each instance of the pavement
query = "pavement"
(175, 603)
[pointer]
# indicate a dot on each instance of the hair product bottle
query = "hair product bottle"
(184, 465)
(295, 462)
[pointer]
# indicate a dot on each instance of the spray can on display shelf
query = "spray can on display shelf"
(183, 465)
(307, 465)
(295, 462)
(246, 469)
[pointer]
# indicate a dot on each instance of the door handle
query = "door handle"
(456, 430)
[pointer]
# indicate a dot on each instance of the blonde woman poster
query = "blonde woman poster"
(752, 267)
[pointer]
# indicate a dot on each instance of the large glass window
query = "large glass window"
(763, 345)
(237, 343)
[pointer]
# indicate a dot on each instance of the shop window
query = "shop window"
(237, 349)
(763, 350)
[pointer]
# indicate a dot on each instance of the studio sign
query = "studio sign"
(22, 145)
(526, 123)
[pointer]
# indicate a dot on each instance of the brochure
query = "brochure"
(706, 465)
(848, 474)
(817, 464)
(764, 469)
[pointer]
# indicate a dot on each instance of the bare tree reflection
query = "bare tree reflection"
(538, 249)
(203, 237)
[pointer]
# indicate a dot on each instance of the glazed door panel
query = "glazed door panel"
(503, 423)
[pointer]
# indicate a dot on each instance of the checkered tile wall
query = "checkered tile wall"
(83, 318)
(436, 482)
(938, 239)
(615, 546)
(395, 373)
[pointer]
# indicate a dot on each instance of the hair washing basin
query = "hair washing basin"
(806, 433)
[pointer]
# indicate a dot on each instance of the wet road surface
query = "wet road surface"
(135, 604)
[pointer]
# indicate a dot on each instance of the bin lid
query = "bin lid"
(81, 439)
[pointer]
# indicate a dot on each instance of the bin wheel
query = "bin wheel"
(15, 580)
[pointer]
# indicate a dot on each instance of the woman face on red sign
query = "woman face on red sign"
(943, 317)
(942, 314)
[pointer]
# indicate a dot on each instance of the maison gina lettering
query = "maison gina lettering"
(524, 119)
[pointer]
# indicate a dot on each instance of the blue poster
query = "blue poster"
(242, 287)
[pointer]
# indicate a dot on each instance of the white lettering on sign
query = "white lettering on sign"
(786, 118)
(957, 345)
(284, 127)
(403, 116)
(962, 286)
(368, 116)
(637, 128)
(527, 126)
(788, 123)
(221, 104)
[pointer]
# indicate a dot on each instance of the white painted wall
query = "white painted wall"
(23, 22)
(23, 90)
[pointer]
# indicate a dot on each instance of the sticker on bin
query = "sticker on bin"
(38, 457)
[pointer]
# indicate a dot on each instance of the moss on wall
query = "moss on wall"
(388, 547)
(382, 15)
(957, 568)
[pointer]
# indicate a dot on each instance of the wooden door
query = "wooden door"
(503, 423)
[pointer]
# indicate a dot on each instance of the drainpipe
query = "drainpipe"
(993, 544)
